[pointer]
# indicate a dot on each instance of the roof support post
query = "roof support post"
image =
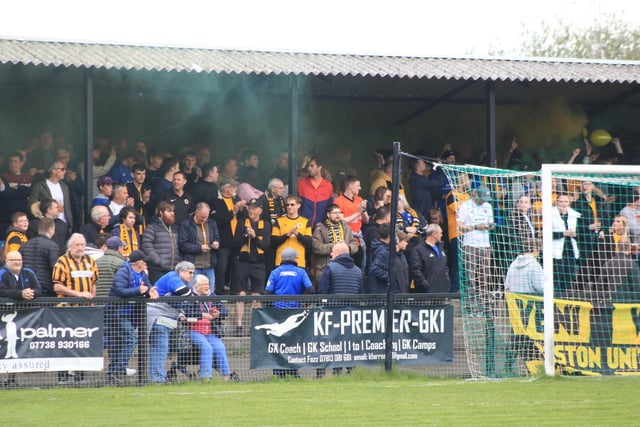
(294, 99)
(88, 162)
(490, 102)
(395, 195)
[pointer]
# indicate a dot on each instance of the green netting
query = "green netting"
(594, 232)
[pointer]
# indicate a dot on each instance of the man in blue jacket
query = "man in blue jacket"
(17, 283)
(121, 320)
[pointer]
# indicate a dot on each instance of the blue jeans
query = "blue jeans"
(211, 346)
(121, 341)
(211, 275)
(158, 351)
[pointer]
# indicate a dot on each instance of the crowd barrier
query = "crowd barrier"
(71, 342)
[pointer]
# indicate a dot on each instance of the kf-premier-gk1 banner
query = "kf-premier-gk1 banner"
(589, 340)
(51, 339)
(349, 336)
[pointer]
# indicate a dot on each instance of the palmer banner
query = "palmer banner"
(589, 340)
(51, 339)
(349, 336)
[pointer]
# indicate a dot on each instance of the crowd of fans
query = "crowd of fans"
(195, 224)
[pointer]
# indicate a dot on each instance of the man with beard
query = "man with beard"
(326, 235)
(160, 242)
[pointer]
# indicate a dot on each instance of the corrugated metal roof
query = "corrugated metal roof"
(85, 55)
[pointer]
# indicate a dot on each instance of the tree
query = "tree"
(607, 38)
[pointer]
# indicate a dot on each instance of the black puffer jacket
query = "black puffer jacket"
(40, 255)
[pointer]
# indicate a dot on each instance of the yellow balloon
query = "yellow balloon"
(600, 137)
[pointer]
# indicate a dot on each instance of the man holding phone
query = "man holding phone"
(475, 220)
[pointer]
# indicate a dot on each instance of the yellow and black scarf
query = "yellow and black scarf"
(335, 231)
(130, 239)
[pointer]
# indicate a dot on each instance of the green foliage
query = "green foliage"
(606, 38)
(366, 398)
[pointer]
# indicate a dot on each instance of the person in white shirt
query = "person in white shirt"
(565, 246)
(54, 188)
(475, 220)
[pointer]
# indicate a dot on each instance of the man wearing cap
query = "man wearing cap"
(108, 265)
(162, 317)
(105, 191)
(228, 210)
(252, 238)
(475, 220)
(288, 279)
(121, 320)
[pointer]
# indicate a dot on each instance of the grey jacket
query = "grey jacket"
(525, 276)
(160, 245)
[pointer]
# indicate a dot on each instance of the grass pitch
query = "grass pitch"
(365, 398)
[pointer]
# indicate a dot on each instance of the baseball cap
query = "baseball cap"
(114, 242)
(254, 203)
(223, 182)
(484, 193)
(105, 180)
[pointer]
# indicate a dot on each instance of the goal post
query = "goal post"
(576, 310)
(547, 172)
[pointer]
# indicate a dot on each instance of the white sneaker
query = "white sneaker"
(131, 372)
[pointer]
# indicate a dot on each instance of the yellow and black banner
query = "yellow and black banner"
(589, 340)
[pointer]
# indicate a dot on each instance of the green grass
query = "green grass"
(365, 398)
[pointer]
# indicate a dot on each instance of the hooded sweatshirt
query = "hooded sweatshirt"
(525, 275)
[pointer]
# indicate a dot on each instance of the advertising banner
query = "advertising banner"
(588, 340)
(348, 336)
(51, 339)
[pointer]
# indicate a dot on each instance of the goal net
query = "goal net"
(548, 268)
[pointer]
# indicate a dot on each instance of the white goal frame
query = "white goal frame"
(546, 173)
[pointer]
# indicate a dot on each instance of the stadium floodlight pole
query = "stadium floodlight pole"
(395, 193)
(546, 173)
